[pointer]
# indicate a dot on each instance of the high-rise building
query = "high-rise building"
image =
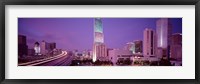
(176, 39)
(22, 46)
(52, 46)
(163, 33)
(47, 47)
(37, 48)
(130, 46)
(101, 52)
(149, 43)
(43, 48)
(99, 48)
(21, 39)
(176, 46)
(31, 52)
(138, 46)
(98, 31)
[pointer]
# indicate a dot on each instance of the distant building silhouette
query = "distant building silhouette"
(31, 52)
(52, 46)
(22, 46)
(43, 48)
(176, 46)
(47, 48)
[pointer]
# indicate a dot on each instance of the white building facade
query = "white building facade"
(149, 43)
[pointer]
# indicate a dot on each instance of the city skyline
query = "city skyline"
(77, 33)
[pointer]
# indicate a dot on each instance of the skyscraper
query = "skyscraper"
(43, 48)
(99, 48)
(176, 39)
(98, 31)
(176, 46)
(37, 48)
(22, 46)
(163, 33)
(130, 46)
(101, 52)
(52, 46)
(31, 52)
(47, 47)
(138, 46)
(149, 43)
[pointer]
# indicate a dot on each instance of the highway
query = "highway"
(62, 59)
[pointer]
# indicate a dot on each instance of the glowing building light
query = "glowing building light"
(37, 48)
(99, 49)
(98, 31)
(163, 32)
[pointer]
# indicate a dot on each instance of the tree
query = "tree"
(164, 62)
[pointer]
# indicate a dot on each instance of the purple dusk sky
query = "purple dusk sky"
(77, 33)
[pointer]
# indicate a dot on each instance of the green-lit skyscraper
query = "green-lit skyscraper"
(98, 31)
(99, 49)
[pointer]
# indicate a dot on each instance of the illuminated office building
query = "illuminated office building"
(138, 46)
(99, 48)
(163, 33)
(37, 48)
(130, 46)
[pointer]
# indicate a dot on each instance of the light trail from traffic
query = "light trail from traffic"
(37, 62)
